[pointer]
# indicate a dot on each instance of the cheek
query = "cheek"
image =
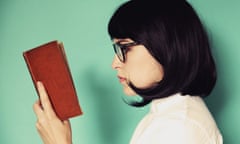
(146, 75)
(142, 69)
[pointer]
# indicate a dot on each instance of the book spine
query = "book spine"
(30, 71)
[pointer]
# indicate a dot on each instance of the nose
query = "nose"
(116, 63)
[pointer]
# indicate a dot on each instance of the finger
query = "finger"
(38, 109)
(46, 104)
(67, 123)
(41, 132)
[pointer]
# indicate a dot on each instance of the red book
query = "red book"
(48, 63)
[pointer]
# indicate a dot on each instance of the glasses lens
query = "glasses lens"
(119, 52)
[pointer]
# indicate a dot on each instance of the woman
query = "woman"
(163, 55)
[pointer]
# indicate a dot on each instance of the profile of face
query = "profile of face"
(139, 67)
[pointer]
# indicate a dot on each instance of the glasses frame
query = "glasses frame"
(121, 49)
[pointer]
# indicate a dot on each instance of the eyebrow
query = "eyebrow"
(123, 40)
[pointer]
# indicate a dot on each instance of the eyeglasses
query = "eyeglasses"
(121, 49)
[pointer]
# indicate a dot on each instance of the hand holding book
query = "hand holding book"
(51, 129)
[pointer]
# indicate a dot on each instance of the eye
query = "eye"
(125, 47)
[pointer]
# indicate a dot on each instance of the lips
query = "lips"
(121, 79)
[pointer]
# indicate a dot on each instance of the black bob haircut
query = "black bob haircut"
(174, 35)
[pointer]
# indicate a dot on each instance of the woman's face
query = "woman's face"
(139, 68)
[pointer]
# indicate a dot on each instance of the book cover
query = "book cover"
(48, 63)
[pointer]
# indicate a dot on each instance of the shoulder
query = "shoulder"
(187, 121)
(181, 131)
(174, 131)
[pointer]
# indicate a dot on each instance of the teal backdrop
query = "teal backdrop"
(82, 26)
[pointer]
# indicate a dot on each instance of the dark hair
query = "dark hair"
(174, 35)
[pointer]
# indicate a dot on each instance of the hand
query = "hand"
(51, 129)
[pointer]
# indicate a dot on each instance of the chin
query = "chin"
(128, 91)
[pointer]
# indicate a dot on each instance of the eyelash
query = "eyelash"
(126, 48)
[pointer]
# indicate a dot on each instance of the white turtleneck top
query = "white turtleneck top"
(177, 119)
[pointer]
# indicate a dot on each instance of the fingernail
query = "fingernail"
(39, 83)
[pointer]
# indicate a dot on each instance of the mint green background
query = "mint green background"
(82, 26)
